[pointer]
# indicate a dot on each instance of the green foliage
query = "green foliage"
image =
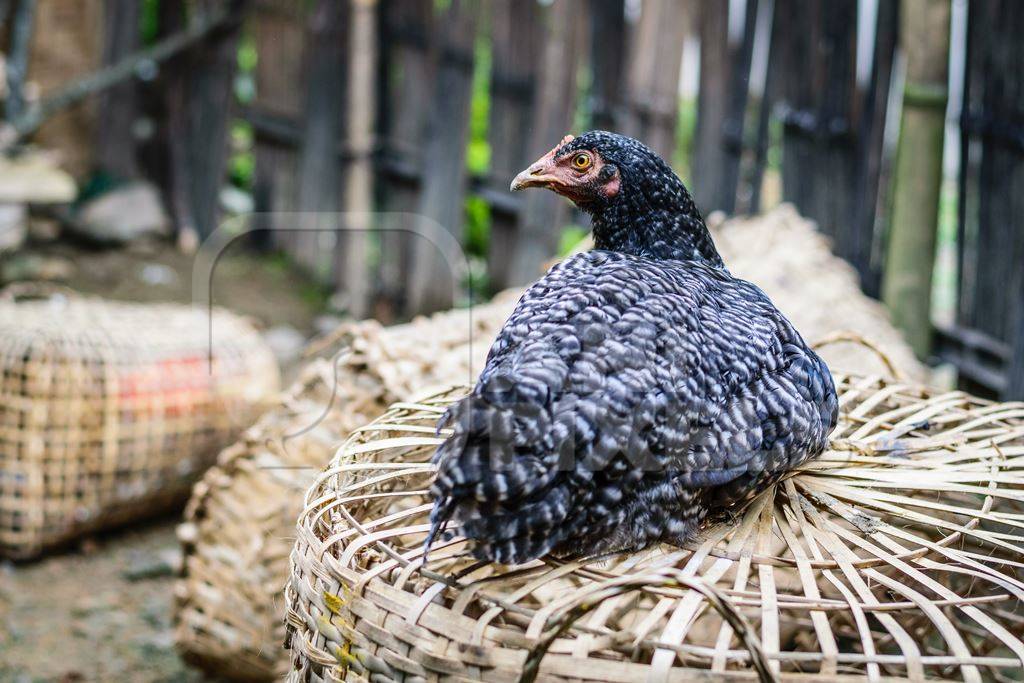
(149, 21)
(478, 225)
(478, 154)
(242, 162)
(478, 157)
(247, 54)
(583, 115)
(571, 236)
(686, 129)
(245, 79)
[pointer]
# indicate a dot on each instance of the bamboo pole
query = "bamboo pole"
(907, 282)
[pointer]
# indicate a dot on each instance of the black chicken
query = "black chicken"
(635, 388)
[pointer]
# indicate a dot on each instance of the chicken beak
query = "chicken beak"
(537, 175)
(541, 173)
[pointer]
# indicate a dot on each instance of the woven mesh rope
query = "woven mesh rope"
(896, 554)
(240, 522)
(109, 411)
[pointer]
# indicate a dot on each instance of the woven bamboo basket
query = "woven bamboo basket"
(895, 555)
(239, 524)
(109, 411)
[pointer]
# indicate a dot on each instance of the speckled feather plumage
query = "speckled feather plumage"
(635, 388)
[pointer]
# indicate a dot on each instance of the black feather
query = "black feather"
(634, 388)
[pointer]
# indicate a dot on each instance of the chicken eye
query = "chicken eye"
(581, 162)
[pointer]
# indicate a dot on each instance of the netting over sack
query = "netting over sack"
(897, 553)
(109, 411)
(240, 523)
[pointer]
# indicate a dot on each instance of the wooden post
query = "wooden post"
(724, 83)
(201, 102)
(817, 87)
(539, 224)
(407, 83)
(769, 96)
(118, 107)
(444, 168)
(352, 254)
(990, 241)
(875, 163)
(607, 56)
(279, 31)
(319, 187)
(17, 58)
(1015, 371)
(516, 38)
(5, 7)
(652, 99)
(906, 285)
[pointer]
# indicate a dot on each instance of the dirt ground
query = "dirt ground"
(102, 611)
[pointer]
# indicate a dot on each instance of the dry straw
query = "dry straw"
(897, 554)
(240, 523)
(109, 411)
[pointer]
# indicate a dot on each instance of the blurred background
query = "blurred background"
(133, 131)
(170, 116)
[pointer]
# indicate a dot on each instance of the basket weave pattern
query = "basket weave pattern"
(239, 524)
(109, 411)
(895, 554)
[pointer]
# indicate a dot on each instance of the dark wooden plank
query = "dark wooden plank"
(16, 66)
(407, 78)
(116, 146)
(873, 179)
(990, 225)
(724, 86)
(992, 183)
(279, 32)
(516, 35)
(607, 58)
(542, 213)
(652, 81)
(319, 185)
(1015, 375)
(442, 198)
(712, 101)
(817, 60)
(5, 8)
(201, 104)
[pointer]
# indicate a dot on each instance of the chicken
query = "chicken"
(635, 389)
